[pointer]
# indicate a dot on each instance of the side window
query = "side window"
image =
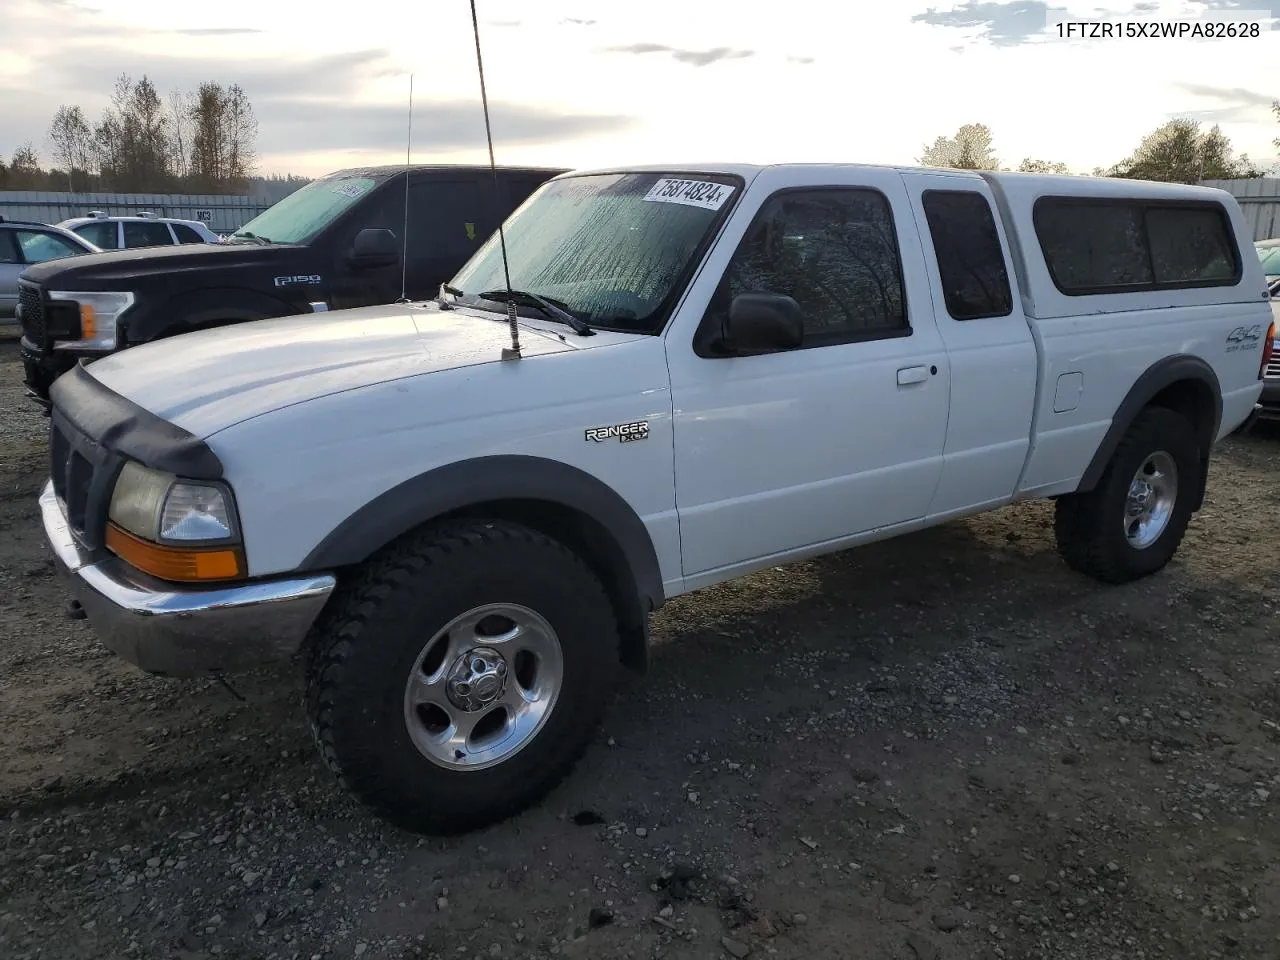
(835, 252)
(8, 248)
(449, 219)
(146, 233)
(104, 235)
(37, 246)
(1125, 246)
(971, 265)
(185, 234)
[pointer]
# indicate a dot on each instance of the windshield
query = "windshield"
(1270, 257)
(612, 248)
(305, 212)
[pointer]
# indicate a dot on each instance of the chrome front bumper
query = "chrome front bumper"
(184, 631)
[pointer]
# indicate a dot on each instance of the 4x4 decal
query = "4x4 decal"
(1243, 338)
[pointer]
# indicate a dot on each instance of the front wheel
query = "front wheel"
(1131, 524)
(462, 675)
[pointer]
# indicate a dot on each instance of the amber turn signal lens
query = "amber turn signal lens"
(88, 322)
(178, 564)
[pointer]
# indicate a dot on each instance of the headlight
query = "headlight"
(99, 317)
(174, 529)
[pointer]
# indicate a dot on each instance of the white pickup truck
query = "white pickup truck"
(461, 518)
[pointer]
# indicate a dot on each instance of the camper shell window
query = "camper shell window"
(1095, 245)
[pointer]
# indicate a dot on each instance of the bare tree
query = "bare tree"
(240, 133)
(179, 117)
(208, 145)
(24, 168)
(970, 149)
(133, 137)
(72, 143)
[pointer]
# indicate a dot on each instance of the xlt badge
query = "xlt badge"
(625, 432)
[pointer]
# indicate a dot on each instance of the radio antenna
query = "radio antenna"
(404, 240)
(512, 352)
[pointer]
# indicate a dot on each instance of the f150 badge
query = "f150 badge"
(1243, 338)
(289, 281)
(625, 432)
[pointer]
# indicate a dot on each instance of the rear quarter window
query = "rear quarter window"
(185, 234)
(1096, 245)
(975, 281)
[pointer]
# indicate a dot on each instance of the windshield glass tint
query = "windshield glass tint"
(1270, 257)
(611, 247)
(305, 212)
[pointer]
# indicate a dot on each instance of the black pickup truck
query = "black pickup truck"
(335, 243)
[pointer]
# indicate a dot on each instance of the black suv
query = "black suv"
(335, 243)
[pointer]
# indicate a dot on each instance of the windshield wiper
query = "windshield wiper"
(251, 236)
(552, 309)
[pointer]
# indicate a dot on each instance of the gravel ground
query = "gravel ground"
(944, 746)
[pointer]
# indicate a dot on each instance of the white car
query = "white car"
(142, 230)
(462, 517)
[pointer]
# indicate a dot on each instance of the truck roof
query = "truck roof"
(387, 169)
(1013, 182)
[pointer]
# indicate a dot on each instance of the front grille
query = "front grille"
(31, 307)
(83, 474)
(1272, 370)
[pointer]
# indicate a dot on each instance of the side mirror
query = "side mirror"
(764, 322)
(374, 247)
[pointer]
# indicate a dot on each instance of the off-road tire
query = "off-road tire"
(362, 652)
(1090, 526)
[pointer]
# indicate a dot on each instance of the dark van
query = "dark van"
(335, 243)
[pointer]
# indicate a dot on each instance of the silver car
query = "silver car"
(21, 245)
(1269, 254)
(138, 230)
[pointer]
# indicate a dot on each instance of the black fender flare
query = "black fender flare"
(474, 482)
(1159, 376)
(194, 308)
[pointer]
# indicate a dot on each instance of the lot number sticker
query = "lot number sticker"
(693, 193)
(351, 190)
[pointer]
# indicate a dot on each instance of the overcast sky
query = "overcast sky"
(582, 83)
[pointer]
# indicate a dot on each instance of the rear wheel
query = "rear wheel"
(459, 679)
(1131, 524)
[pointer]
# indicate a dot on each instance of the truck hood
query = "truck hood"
(121, 269)
(211, 379)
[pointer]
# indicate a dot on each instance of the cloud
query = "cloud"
(698, 58)
(93, 69)
(1236, 95)
(305, 105)
(213, 31)
(287, 125)
(1002, 24)
(1228, 5)
(503, 23)
(1238, 105)
(578, 22)
(802, 60)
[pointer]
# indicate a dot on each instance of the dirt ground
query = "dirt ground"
(945, 746)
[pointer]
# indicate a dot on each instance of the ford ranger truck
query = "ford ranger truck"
(460, 519)
(335, 243)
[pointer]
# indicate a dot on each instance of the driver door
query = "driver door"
(783, 453)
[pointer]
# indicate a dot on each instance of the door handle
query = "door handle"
(908, 375)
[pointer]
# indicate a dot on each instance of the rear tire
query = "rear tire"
(1130, 525)
(488, 627)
